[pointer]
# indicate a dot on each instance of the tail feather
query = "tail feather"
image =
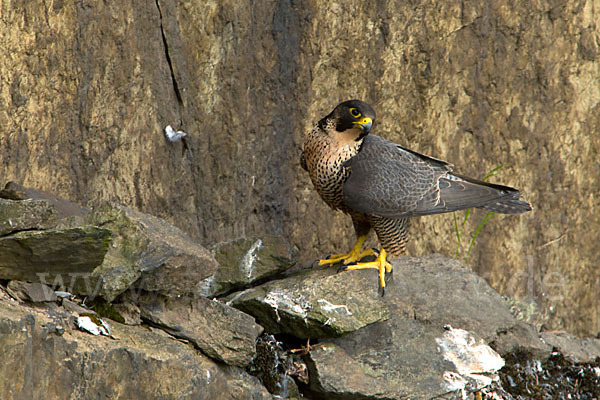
(461, 192)
(507, 206)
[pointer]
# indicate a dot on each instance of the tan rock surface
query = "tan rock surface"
(87, 88)
(45, 356)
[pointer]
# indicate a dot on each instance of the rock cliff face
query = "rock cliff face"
(87, 88)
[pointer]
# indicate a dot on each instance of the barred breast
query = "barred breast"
(324, 161)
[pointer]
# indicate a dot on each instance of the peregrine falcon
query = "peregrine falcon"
(381, 184)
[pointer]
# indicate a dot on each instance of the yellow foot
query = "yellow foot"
(355, 255)
(352, 257)
(381, 264)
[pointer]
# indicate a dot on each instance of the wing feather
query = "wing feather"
(391, 181)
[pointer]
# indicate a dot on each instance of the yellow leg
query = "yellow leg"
(381, 264)
(354, 255)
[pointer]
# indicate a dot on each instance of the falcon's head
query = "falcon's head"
(353, 116)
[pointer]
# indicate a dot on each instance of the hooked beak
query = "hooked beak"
(365, 126)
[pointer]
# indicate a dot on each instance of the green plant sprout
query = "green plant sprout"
(489, 215)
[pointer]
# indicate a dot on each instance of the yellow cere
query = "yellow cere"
(364, 121)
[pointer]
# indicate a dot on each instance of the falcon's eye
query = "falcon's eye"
(354, 112)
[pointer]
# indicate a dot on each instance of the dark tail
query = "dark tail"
(507, 203)
(508, 206)
(461, 192)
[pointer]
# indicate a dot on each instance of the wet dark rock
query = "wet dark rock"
(58, 257)
(148, 253)
(104, 309)
(35, 292)
(43, 352)
(314, 304)
(219, 331)
(247, 260)
(103, 253)
(129, 311)
(25, 215)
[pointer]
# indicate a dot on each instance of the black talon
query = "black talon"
(382, 290)
(389, 277)
(342, 268)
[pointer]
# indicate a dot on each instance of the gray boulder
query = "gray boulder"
(402, 357)
(148, 253)
(219, 331)
(62, 207)
(314, 304)
(102, 253)
(63, 257)
(394, 346)
(45, 356)
(245, 261)
(19, 215)
(34, 292)
(576, 349)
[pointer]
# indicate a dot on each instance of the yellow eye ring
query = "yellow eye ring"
(354, 112)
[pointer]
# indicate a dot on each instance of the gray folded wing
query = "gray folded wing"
(391, 181)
